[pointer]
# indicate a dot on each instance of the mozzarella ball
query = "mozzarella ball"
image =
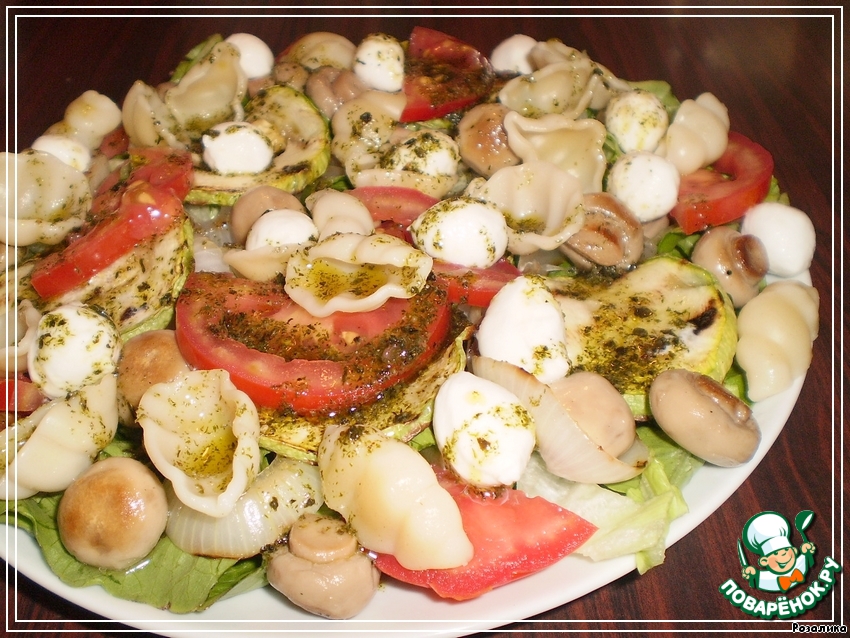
(511, 55)
(482, 430)
(524, 325)
(282, 227)
(255, 56)
(646, 183)
(463, 231)
(75, 346)
(788, 236)
(637, 120)
(379, 62)
(427, 152)
(113, 515)
(73, 152)
(237, 147)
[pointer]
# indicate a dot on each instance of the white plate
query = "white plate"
(397, 608)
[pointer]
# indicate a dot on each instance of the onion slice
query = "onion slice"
(279, 495)
(565, 448)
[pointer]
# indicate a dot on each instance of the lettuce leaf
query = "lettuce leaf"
(168, 578)
(634, 516)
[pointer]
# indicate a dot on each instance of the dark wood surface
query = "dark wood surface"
(779, 76)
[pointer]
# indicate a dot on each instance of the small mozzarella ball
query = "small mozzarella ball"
(646, 183)
(788, 236)
(113, 514)
(281, 228)
(463, 231)
(379, 62)
(483, 431)
(75, 346)
(73, 152)
(637, 120)
(511, 55)
(427, 152)
(255, 56)
(524, 325)
(237, 147)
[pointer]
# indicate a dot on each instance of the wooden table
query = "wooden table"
(778, 76)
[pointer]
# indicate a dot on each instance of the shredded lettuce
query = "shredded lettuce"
(632, 517)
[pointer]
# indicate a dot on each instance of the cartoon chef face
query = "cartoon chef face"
(780, 561)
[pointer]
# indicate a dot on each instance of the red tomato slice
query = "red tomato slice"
(115, 143)
(22, 395)
(474, 286)
(283, 357)
(394, 203)
(165, 168)
(442, 75)
(740, 179)
(513, 536)
(144, 212)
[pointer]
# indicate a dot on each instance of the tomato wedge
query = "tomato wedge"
(442, 75)
(739, 180)
(165, 168)
(22, 395)
(474, 286)
(513, 536)
(144, 212)
(284, 358)
(396, 204)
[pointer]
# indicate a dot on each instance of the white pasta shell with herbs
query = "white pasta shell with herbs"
(88, 119)
(365, 125)
(776, 330)
(350, 272)
(202, 433)
(48, 449)
(146, 118)
(563, 83)
(542, 204)
(574, 146)
(698, 134)
(43, 198)
(211, 92)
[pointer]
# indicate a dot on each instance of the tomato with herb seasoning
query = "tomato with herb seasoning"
(285, 358)
(513, 535)
(737, 181)
(144, 212)
(474, 286)
(442, 75)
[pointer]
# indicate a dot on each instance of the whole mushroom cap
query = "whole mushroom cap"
(704, 418)
(738, 261)
(114, 514)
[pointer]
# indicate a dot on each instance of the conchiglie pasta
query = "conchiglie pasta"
(58, 441)
(146, 118)
(775, 334)
(88, 119)
(364, 125)
(564, 82)
(541, 203)
(202, 434)
(48, 199)
(390, 497)
(574, 146)
(698, 134)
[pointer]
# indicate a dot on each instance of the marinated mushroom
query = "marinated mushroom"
(253, 204)
(330, 87)
(598, 409)
(610, 236)
(147, 359)
(114, 514)
(322, 568)
(703, 417)
(738, 261)
(483, 141)
(291, 74)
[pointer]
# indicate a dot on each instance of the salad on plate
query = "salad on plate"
(386, 311)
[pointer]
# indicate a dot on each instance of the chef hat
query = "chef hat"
(766, 532)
